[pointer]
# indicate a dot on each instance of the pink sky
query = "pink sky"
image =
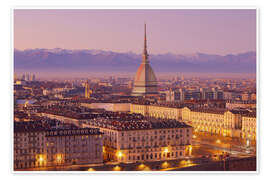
(176, 31)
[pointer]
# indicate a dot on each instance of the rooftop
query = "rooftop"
(137, 123)
(51, 130)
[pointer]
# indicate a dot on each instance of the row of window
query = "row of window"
(155, 156)
(155, 132)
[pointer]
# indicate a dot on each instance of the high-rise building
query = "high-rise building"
(145, 82)
(27, 77)
(23, 77)
(33, 77)
(174, 95)
(182, 77)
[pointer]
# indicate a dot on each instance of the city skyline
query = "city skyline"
(87, 110)
(181, 31)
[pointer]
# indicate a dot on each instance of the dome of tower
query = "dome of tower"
(145, 76)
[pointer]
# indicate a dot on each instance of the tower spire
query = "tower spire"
(145, 41)
(145, 54)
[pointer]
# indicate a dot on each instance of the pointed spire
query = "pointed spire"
(145, 54)
(145, 41)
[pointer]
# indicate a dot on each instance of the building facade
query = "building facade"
(232, 123)
(156, 111)
(241, 104)
(35, 146)
(249, 126)
(139, 141)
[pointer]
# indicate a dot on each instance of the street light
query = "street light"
(248, 143)
(117, 168)
(59, 158)
(91, 169)
(141, 166)
(165, 165)
(40, 159)
(166, 150)
(119, 154)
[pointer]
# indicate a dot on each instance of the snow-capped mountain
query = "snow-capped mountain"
(99, 60)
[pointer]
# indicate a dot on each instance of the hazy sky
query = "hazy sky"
(176, 31)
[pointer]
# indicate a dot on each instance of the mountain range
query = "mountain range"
(107, 61)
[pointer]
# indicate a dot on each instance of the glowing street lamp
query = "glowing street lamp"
(41, 159)
(91, 169)
(165, 165)
(119, 154)
(59, 158)
(166, 150)
(141, 166)
(117, 168)
(248, 142)
(190, 150)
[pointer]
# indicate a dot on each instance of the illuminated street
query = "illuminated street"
(204, 143)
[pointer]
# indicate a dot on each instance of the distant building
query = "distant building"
(156, 111)
(23, 77)
(33, 77)
(145, 82)
(253, 97)
(241, 104)
(88, 92)
(174, 95)
(232, 95)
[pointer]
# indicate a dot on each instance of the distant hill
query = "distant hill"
(99, 61)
